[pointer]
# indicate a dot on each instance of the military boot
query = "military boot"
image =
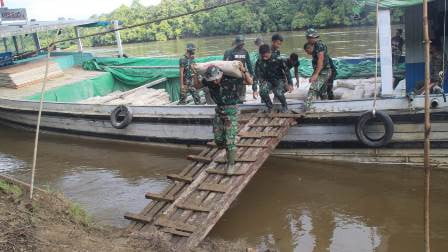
(284, 109)
(230, 161)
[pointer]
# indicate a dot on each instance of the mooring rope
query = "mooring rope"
(39, 116)
(376, 56)
(444, 45)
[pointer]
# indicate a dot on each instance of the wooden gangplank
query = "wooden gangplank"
(200, 194)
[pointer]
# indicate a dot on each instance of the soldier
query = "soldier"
(322, 74)
(223, 90)
(293, 62)
(277, 41)
(272, 75)
(187, 76)
(239, 53)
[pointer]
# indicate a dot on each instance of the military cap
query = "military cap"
(311, 33)
(213, 73)
(239, 40)
(191, 47)
(259, 41)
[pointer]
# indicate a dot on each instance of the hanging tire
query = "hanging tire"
(362, 134)
(121, 117)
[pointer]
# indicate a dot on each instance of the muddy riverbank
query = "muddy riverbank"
(50, 222)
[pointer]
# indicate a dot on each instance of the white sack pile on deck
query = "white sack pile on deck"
(141, 97)
(348, 89)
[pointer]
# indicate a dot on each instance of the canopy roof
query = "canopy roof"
(11, 29)
(391, 3)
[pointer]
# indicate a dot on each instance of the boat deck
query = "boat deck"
(71, 75)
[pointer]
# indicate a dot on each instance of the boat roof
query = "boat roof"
(392, 3)
(15, 29)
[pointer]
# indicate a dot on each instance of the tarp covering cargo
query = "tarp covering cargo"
(138, 76)
(128, 78)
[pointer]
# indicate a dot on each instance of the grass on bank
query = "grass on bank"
(10, 188)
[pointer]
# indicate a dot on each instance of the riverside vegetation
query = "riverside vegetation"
(252, 16)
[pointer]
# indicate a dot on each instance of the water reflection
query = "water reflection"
(289, 205)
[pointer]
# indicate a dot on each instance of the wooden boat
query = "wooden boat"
(326, 133)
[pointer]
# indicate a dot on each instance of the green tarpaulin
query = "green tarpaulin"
(138, 76)
(127, 78)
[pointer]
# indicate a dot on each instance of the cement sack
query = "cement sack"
(230, 68)
(400, 89)
(340, 91)
(350, 84)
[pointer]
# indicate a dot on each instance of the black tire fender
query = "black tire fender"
(360, 129)
(117, 113)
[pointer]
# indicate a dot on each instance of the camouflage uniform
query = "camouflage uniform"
(186, 62)
(225, 123)
(243, 56)
(319, 89)
(272, 75)
(275, 53)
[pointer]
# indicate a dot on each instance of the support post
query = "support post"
(427, 133)
(5, 44)
(16, 46)
(385, 52)
(78, 41)
(118, 38)
(36, 41)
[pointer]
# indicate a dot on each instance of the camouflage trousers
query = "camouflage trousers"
(319, 89)
(225, 127)
(278, 87)
(241, 90)
(189, 89)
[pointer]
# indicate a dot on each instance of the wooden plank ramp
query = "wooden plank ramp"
(200, 194)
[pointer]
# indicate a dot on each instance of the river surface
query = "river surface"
(290, 205)
(352, 42)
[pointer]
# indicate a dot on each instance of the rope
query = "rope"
(146, 23)
(444, 44)
(376, 56)
(39, 116)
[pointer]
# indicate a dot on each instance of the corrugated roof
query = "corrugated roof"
(9, 30)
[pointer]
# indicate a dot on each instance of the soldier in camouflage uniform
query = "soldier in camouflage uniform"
(273, 75)
(277, 41)
(322, 69)
(223, 91)
(239, 53)
(187, 76)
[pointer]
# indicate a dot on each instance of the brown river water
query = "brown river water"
(290, 205)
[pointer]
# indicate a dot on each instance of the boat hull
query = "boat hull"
(325, 133)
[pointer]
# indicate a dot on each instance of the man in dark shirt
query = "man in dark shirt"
(187, 76)
(224, 92)
(238, 52)
(271, 74)
(293, 62)
(397, 47)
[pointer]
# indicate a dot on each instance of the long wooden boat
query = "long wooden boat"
(327, 132)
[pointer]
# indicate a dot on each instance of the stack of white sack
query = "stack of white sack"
(356, 88)
(141, 97)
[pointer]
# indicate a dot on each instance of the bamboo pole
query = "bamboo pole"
(427, 144)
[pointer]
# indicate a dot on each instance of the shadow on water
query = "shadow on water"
(291, 205)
